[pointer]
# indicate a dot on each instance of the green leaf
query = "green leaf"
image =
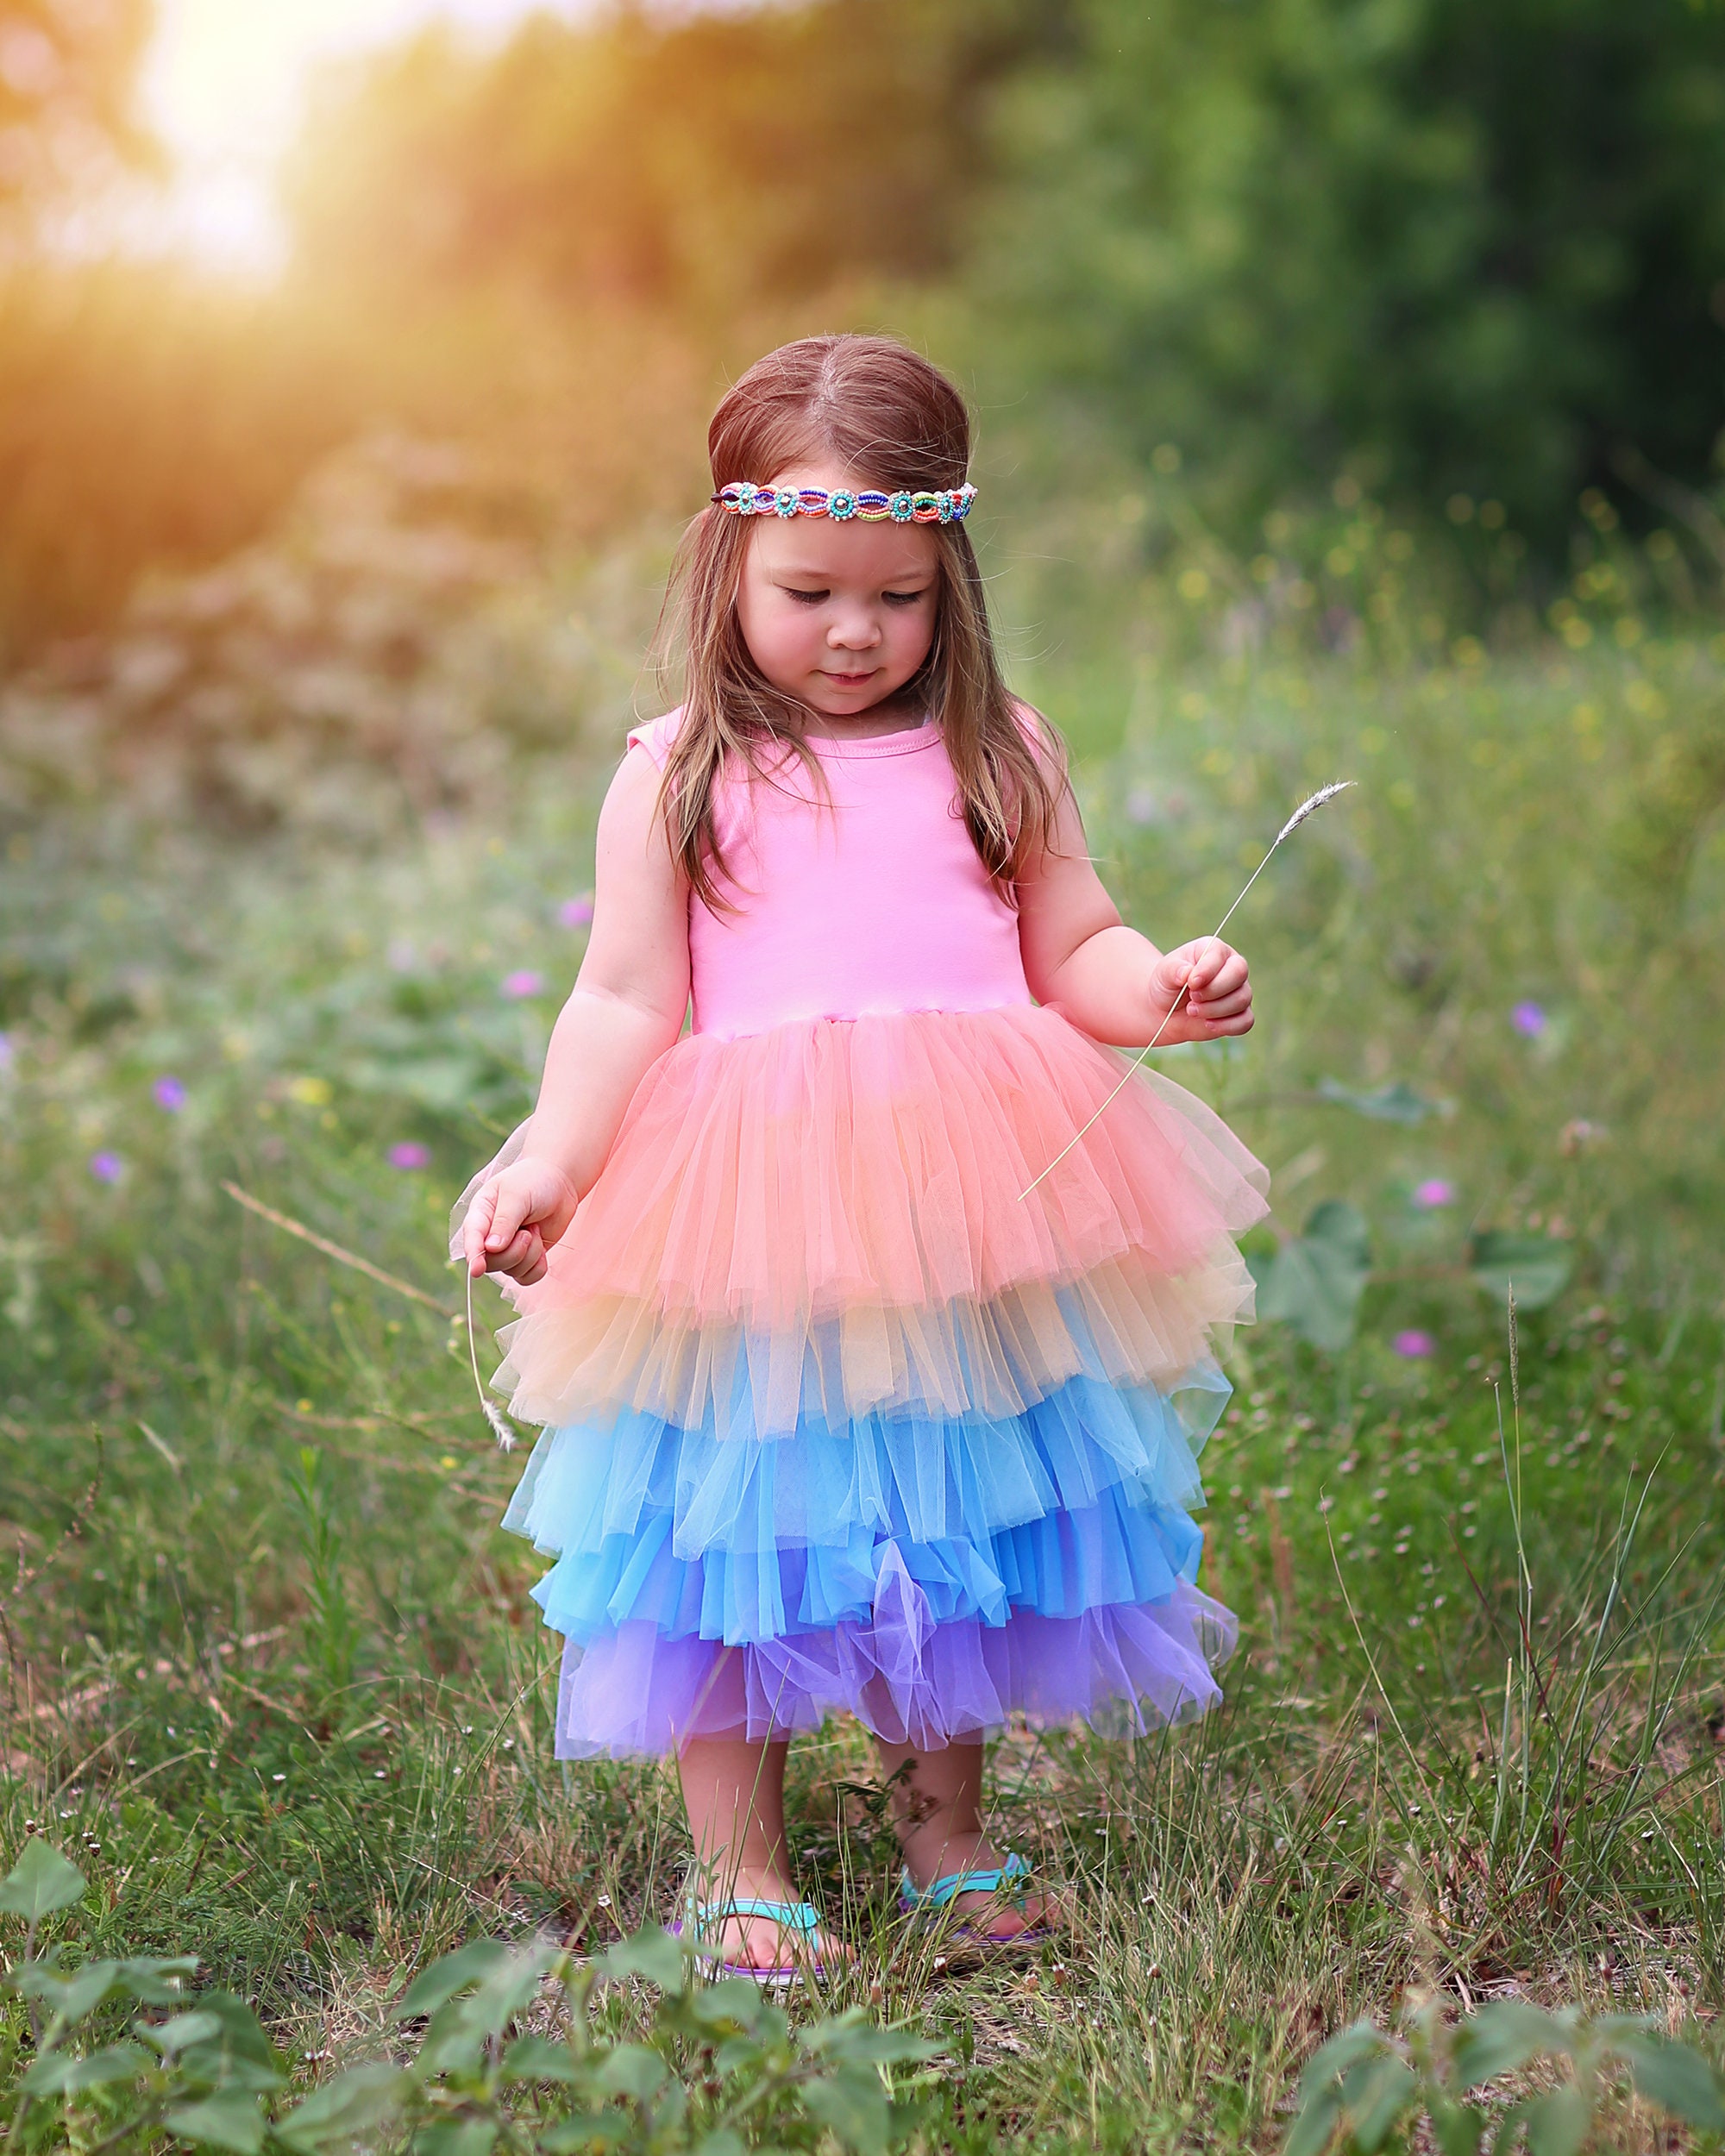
(351, 2104)
(633, 2070)
(1557, 2122)
(449, 1974)
(169, 2037)
(60, 2073)
(1343, 2050)
(720, 2142)
(224, 2121)
(651, 1954)
(1677, 2078)
(1316, 1278)
(1395, 1103)
(539, 2058)
(1458, 2127)
(41, 1882)
(158, 1980)
(854, 2109)
(457, 2137)
(70, 1998)
(1537, 1266)
(1505, 2036)
(595, 2130)
(1315, 2128)
(1376, 2093)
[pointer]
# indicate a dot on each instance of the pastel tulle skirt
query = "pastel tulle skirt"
(837, 1421)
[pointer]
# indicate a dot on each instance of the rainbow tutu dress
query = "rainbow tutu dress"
(836, 1418)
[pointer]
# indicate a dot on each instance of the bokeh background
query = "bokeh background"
(1350, 377)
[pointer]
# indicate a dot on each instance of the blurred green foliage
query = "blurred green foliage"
(1472, 245)
(1464, 252)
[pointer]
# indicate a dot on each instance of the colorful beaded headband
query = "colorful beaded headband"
(741, 499)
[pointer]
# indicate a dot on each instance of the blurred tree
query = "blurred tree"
(1478, 243)
(66, 74)
(691, 163)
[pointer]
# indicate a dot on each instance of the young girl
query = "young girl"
(842, 1413)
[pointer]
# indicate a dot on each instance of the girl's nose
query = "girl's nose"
(854, 632)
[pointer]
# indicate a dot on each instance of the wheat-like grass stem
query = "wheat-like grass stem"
(1306, 807)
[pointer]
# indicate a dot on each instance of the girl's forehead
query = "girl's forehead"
(814, 546)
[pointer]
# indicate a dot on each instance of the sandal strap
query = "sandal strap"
(947, 1890)
(792, 1916)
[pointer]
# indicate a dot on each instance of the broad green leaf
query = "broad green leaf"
(1538, 1267)
(1315, 2123)
(1343, 2050)
(158, 1980)
(651, 1954)
(241, 2031)
(451, 1973)
(1677, 2078)
(1557, 2122)
(224, 2121)
(1503, 2036)
(538, 2059)
(595, 2130)
(72, 1997)
(1316, 1278)
(854, 2108)
(720, 2142)
(41, 1882)
(457, 2137)
(633, 2070)
(169, 2037)
(353, 2104)
(1394, 1103)
(1375, 2094)
(60, 2073)
(1458, 2127)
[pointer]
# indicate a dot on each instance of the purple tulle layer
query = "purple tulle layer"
(1129, 1668)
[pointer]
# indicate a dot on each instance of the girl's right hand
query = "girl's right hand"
(515, 1217)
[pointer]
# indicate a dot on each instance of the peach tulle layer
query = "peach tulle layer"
(834, 1207)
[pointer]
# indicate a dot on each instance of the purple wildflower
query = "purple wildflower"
(524, 983)
(1529, 1018)
(1415, 1345)
(410, 1155)
(107, 1168)
(6, 1051)
(169, 1095)
(576, 913)
(1433, 1192)
(1140, 805)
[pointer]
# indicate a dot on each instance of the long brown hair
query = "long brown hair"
(884, 415)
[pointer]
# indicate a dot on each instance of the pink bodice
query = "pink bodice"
(879, 903)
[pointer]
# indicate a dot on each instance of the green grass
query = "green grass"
(266, 1646)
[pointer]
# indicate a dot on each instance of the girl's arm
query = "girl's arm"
(626, 1010)
(1106, 978)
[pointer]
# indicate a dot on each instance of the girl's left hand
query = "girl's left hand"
(1218, 998)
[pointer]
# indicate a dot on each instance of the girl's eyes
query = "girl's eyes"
(819, 598)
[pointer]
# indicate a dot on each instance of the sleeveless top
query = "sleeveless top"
(878, 903)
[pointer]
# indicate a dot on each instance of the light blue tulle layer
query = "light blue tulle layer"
(1076, 1504)
(904, 1477)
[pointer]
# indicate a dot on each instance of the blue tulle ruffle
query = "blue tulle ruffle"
(905, 1478)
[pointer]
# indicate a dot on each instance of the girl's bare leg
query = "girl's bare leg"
(734, 1791)
(936, 1810)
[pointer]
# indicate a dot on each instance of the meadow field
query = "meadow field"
(297, 869)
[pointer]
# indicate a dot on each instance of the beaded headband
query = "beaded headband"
(950, 507)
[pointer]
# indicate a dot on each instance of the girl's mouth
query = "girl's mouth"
(851, 680)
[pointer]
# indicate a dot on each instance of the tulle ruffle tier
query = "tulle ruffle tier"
(841, 1418)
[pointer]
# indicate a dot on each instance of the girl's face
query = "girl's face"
(839, 616)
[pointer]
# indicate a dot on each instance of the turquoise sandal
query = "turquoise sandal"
(930, 1901)
(799, 1918)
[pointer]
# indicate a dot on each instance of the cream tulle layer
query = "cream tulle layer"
(835, 1206)
(1118, 1324)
